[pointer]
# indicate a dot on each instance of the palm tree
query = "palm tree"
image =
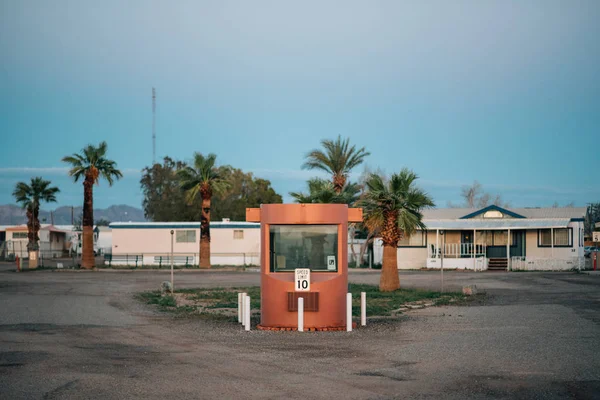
(203, 178)
(337, 159)
(30, 197)
(322, 191)
(393, 208)
(90, 165)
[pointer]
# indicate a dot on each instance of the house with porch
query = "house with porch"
(495, 238)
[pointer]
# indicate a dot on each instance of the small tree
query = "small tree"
(337, 159)
(475, 197)
(394, 209)
(90, 165)
(202, 179)
(322, 191)
(30, 197)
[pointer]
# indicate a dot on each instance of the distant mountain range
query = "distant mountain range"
(14, 215)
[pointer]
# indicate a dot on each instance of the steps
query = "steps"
(497, 264)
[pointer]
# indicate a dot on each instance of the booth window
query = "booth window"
(185, 236)
(19, 235)
(238, 234)
(304, 246)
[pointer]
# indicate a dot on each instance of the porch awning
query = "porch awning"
(497, 224)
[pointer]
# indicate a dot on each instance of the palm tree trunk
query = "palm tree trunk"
(87, 251)
(205, 234)
(338, 183)
(389, 280)
(31, 236)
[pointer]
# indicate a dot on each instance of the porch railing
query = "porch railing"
(457, 250)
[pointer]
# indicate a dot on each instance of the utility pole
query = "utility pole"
(442, 261)
(72, 216)
(153, 126)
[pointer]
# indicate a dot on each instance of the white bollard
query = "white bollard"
(247, 314)
(239, 308)
(244, 295)
(300, 314)
(349, 312)
(363, 309)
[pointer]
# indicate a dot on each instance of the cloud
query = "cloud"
(36, 170)
(292, 174)
(502, 188)
(55, 170)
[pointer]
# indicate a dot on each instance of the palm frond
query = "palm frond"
(337, 158)
(92, 157)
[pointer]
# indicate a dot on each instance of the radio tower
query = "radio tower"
(153, 126)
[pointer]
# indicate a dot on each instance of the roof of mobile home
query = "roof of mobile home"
(184, 225)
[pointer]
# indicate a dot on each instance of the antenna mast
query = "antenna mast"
(153, 126)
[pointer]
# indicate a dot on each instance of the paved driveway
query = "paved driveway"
(81, 335)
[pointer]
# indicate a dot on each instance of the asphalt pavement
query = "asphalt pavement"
(82, 335)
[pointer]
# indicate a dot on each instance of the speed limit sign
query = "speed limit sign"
(302, 279)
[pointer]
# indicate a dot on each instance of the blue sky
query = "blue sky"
(503, 92)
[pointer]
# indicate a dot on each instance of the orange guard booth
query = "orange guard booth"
(313, 236)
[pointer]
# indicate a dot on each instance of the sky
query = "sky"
(503, 92)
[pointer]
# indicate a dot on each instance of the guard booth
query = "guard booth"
(304, 253)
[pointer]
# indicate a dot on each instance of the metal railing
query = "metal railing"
(163, 260)
(457, 250)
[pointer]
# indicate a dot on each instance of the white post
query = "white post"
(474, 249)
(508, 252)
(300, 314)
(244, 296)
(552, 241)
(442, 262)
(247, 314)
(239, 308)
(172, 287)
(349, 312)
(363, 309)
(437, 243)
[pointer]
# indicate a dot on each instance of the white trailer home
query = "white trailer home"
(149, 243)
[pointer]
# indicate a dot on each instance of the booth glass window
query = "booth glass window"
(304, 246)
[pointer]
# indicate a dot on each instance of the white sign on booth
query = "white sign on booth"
(302, 279)
(331, 263)
(596, 236)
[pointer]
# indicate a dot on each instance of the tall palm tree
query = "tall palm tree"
(90, 165)
(204, 179)
(393, 208)
(338, 158)
(30, 197)
(322, 191)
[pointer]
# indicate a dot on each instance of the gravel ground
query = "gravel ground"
(81, 335)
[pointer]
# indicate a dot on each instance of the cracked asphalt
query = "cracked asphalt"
(81, 335)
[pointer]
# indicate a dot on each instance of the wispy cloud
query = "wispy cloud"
(55, 170)
(35, 170)
(293, 174)
(502, 188)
